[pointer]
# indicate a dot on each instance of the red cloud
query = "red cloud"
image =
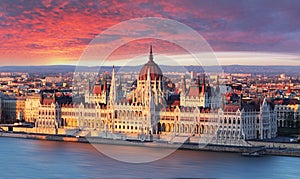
(39, 31)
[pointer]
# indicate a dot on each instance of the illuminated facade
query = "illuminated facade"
(32, 104)
(147, 113)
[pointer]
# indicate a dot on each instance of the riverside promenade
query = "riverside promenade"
(264, 148)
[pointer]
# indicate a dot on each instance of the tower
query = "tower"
(203, 84)
(149, 74)
(183, 85)
(112, 92)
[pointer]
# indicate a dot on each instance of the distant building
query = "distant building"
(8, 109)
(288, 113)
(32, 107)
(20, 108)
(53, 79)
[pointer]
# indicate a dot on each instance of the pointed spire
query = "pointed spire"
(218, 85)
(203, 84)
(183, 84)
(151, 54)
(112, 93)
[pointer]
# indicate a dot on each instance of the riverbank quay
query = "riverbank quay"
(264, 148)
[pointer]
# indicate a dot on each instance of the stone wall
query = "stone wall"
(275, 144)
(39, 130)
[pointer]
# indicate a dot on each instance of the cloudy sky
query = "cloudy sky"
(47, 32)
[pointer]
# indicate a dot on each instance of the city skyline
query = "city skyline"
(56, 33)
(151, 89)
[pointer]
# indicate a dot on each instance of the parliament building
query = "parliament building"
(198, 112)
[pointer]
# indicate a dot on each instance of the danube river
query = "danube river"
(24, 158)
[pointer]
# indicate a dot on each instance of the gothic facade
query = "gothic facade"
(147, 112)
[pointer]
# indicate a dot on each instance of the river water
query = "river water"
(24, 158)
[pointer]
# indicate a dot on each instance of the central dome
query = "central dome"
(152, 67)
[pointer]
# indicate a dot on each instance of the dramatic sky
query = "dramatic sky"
(47, 32)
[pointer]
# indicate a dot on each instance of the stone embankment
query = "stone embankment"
(267, 148)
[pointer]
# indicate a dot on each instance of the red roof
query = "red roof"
(48, 101)
(176, 103)
(194, 91)
(97, 89)
(278, 102)
(152, 67)
(231, 108)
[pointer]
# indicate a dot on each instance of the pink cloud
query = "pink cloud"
(62, 29)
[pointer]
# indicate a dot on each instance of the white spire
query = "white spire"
(149, 85)
(112, 92)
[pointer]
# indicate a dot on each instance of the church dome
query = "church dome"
(155, 71)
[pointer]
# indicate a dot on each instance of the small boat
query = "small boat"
(251, 154)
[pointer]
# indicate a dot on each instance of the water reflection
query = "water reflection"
(134, 154)
(23, 158)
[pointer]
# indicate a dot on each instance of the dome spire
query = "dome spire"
(151, 55)
(155, 71)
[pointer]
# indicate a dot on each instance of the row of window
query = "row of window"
(128, 122)
(229, 121)
(128, 127)
(50, 113)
